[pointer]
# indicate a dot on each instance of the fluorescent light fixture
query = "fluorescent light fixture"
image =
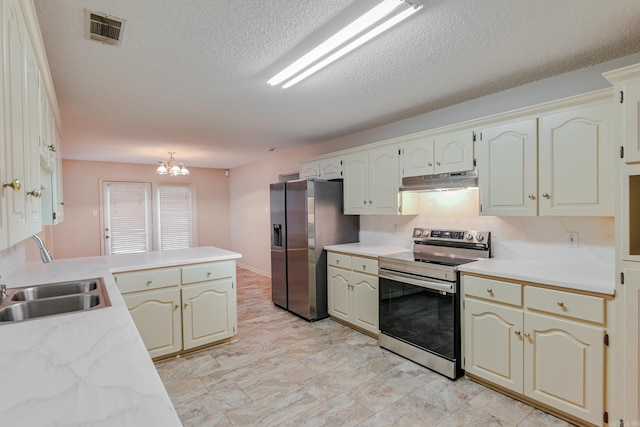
(382, 15)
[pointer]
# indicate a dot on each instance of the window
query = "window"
(136, 221)
(175, 209)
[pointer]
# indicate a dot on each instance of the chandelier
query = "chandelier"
(171, 167)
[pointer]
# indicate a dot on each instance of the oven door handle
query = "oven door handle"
(412, 280)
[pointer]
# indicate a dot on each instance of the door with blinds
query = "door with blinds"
(128, 220)
(139, 217)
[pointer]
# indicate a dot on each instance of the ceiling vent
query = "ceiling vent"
(103, 28)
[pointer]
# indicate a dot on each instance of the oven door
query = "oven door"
(423, 313)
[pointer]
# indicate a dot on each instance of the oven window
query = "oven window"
(420, 316)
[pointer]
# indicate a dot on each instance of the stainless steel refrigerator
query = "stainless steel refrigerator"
(306, 215)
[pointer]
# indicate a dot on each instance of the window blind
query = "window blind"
(175, 206)
(129, 217)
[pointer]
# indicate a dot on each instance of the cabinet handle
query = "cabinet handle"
(35, 193)
(208, 274)
(532, 197)
(490, 291)
(337, 261)
(52, 148)
(518, 333)
(438, 163)
(527, 335)
(365, 202)
(546, 195)
(185, 305)
(364, 267)
(149, 282)
(429, 164)
(370, 202)
(560, 304)
(175, 307)
(15, 184)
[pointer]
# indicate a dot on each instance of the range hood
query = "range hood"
(441, 181)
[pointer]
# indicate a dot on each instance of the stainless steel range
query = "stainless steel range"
(420, 300)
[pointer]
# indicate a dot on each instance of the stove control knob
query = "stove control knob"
(480, 237)
(469, 236)
(417, 232)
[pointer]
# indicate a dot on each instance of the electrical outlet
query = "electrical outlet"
(572, 239)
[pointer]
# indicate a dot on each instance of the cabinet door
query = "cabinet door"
(356, 184)
(631, 120)
(564, 366)
(417, 157)
(330, 168)
(338, 293)
(157, 317)
(631, 367)
(15, 56)
(209, 312)
(365, 303)
(507, 167)
(309, 170)
(493, 343)
(453, 152)
(32, 133)
(383, 181)
(576, 161)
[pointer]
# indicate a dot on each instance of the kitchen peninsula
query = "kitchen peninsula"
(89, 367)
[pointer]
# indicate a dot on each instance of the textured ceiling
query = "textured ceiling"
(191, 76)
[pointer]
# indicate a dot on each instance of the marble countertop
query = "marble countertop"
(91, 367)
(365, 249)
(572, 276)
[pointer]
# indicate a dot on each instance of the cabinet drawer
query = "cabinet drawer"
(339, 260)
(147, 279)
(493, 290)
(364, 265)
(568, 304)
(211, 271)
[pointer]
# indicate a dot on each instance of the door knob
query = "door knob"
(35, 193)
(15, 184)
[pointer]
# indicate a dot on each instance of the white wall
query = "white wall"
(249, 185)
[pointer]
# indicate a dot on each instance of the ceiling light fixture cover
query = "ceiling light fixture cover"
(379, 19)
(171, 167)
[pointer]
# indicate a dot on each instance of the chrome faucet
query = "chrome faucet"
(44, 253)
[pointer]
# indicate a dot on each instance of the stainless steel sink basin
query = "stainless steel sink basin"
(54, 290)
(49, 299)
(47, 307)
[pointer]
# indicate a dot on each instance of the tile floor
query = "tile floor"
(285, 371)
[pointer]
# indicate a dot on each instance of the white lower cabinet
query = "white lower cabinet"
(544, 344)
(353, 290)
(181, 308)
(157, 317)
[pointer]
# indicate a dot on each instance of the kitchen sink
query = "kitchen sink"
(49, 299)
(54, 290)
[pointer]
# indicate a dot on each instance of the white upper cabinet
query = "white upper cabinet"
(627, 101)
(330, 168)
(309, 170)
(576, 152)
(507, 167)
(14, 46)
(565, 168)
(451, 152)
(371, 184)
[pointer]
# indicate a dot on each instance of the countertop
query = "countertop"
(579, 277)
(364, 249)
(91, 367)
(572, 276)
